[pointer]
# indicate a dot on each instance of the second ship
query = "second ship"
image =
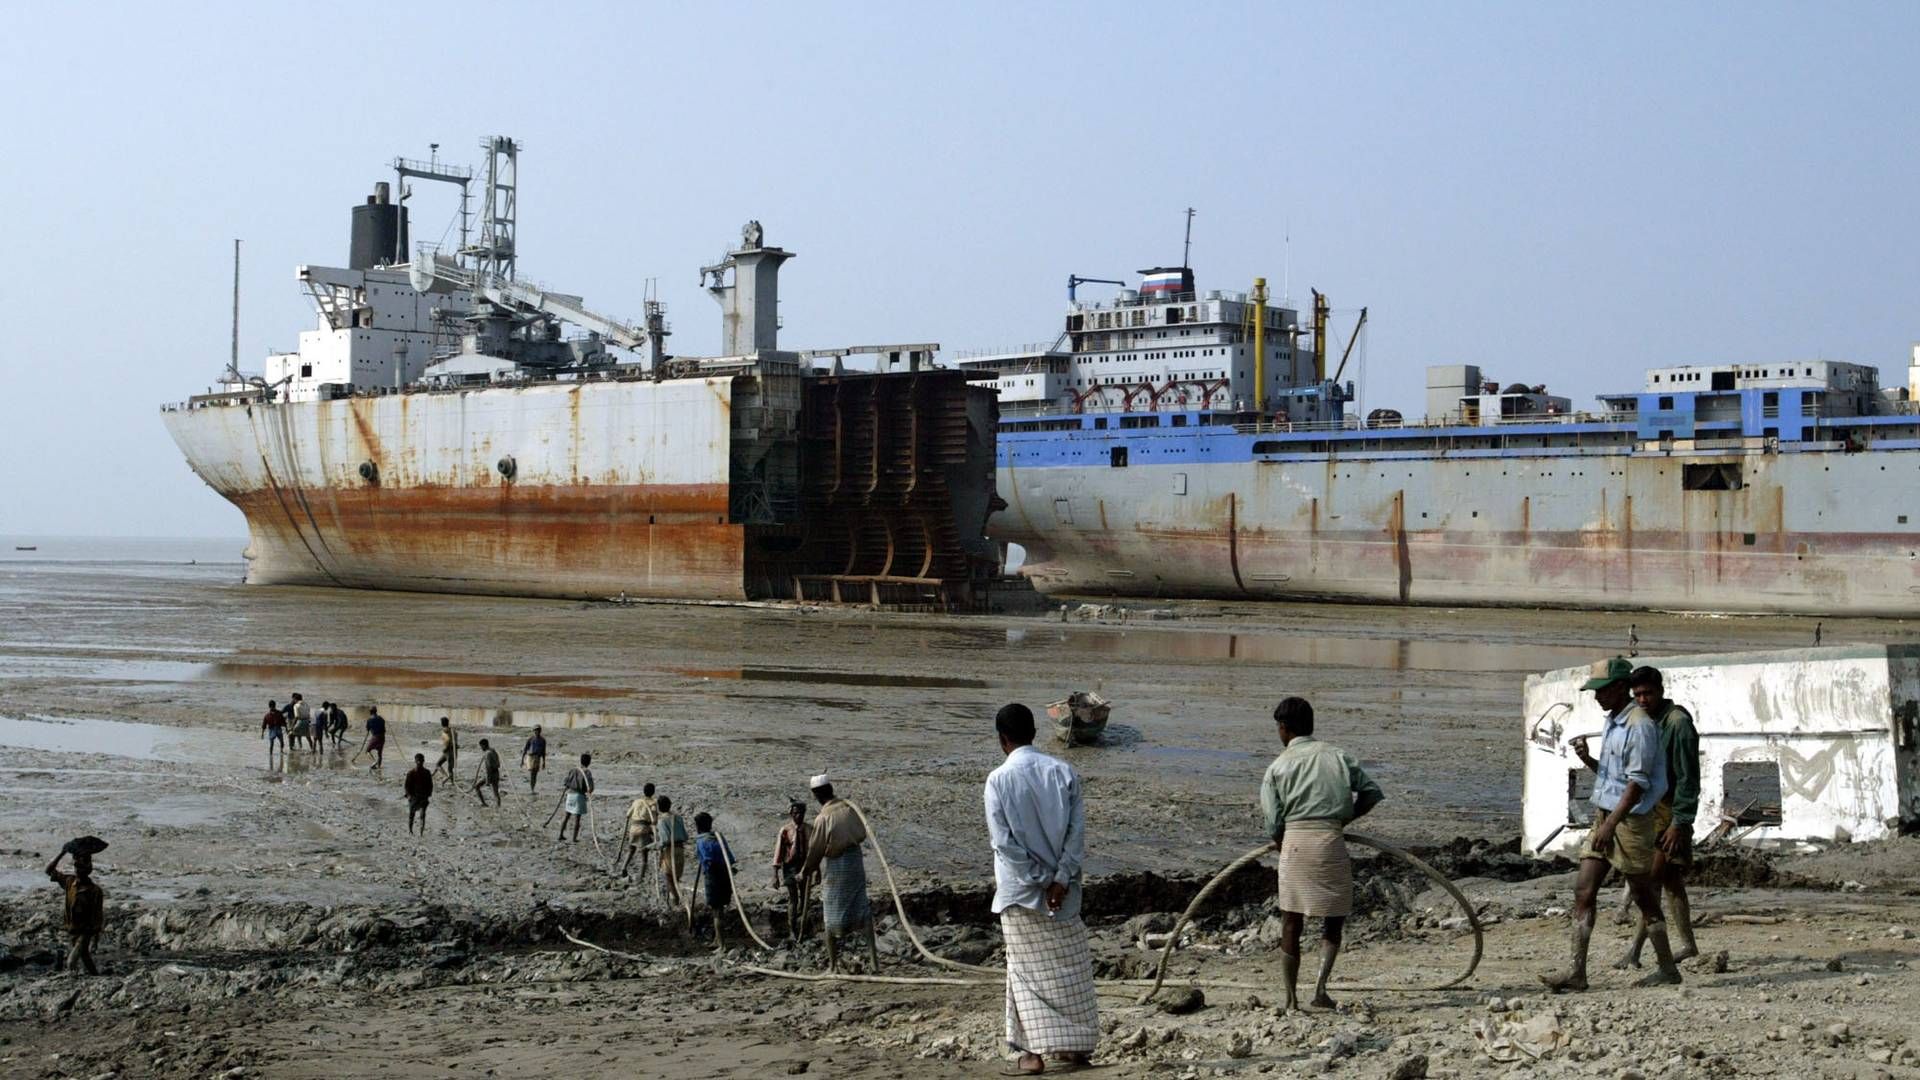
(1179, 443)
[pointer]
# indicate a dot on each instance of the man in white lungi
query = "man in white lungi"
(1038, 825)
(1309, 794)
(834, 853)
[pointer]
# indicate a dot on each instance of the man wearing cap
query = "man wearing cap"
(833, 852)
(1630, 778)
(1037, 822)
(1673, 818)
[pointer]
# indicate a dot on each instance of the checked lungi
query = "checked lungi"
(843, 891)
(1316, 874)
(1051, 1007)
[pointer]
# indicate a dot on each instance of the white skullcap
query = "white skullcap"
(819, 781)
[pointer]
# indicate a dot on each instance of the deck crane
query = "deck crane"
(519, 303)
(1074, 281)
(1357, 327)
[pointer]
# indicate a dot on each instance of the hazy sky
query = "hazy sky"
(1561, 194)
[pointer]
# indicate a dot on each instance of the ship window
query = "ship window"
(1666, 403)
(1750, 792)
(1712, 477)
(1117, 457)
(1100, 422)
(306, 371)
(1723, 380)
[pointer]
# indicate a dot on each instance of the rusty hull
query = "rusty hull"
(596, 489)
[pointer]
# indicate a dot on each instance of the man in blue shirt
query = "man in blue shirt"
(1630, 779)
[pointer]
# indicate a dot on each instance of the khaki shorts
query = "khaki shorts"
(1682, 855)
(1634, 842)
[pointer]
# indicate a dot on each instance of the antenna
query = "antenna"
(1286, 275)
(233, 359)
(1186, 249)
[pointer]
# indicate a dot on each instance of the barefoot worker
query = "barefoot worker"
(670, 834)
(1309, 794)
(488, 774)
(376, 738)
(86, 904)
(833, 852)
(1673, 818)
(1630, 779)
(578, 785)
(790, 863)
(641, 814)
(1038, 825)
(533, 757)
(418, 788)
(273, 728)
(449, 749)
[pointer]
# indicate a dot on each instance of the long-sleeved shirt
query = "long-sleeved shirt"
(1313, 781)
(1630, 754)
(835, 829)
(1037, 822)
(1681, 745)
(791, 851)
(709, 849)
(419, 784)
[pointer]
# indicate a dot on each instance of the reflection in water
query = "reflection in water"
(836, 678)
(1392, 654)
(314, 680)
(146, 742)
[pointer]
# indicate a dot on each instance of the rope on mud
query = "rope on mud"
(1473, 917)
(803, 976)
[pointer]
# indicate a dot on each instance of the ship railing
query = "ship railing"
(1011, 350)
(1265, 427)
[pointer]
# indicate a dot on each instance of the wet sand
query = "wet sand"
(130, 697)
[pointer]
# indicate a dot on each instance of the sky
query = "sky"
(1561, 194)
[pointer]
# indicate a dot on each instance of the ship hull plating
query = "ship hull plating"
(1598, 531)
(594, 490)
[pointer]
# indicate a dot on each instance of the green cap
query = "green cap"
(1605, 673)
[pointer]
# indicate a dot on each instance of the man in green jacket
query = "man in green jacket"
(1674, 816)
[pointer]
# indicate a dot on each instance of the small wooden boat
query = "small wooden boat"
(26, 547)
(1080, 717)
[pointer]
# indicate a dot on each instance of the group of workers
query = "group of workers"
(1645, 795)
(302, 726)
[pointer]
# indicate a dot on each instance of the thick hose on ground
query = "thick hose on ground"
(906, 924)
(1473, 917)
(733, 886)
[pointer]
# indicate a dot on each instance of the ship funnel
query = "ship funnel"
(377, 231)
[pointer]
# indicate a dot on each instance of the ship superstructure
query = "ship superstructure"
(448, 425)
(1768, 487)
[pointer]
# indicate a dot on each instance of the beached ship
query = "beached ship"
(449, 426)
(1178, 443)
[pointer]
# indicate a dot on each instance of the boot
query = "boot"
(1328, 951)
(1666, 974)
(1575, 977)
(1290, 974)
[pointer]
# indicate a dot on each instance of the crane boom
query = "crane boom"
(1350, 343)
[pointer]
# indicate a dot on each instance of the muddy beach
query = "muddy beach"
(284, 924)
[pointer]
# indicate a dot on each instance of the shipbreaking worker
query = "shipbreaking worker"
(717, 866)
(418, 788)
(1308, 795)
(86, 907)
(488, 774)
(449, 749)
(273, 728)
(1630, 779)
(833, 853)
(376, 738)
(789, 865)
(641, 814)
(533, 757)
(578, 785)
(1037, 822)
(1673, 818)
(302, 718)
(337, 724)
(670, 835)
